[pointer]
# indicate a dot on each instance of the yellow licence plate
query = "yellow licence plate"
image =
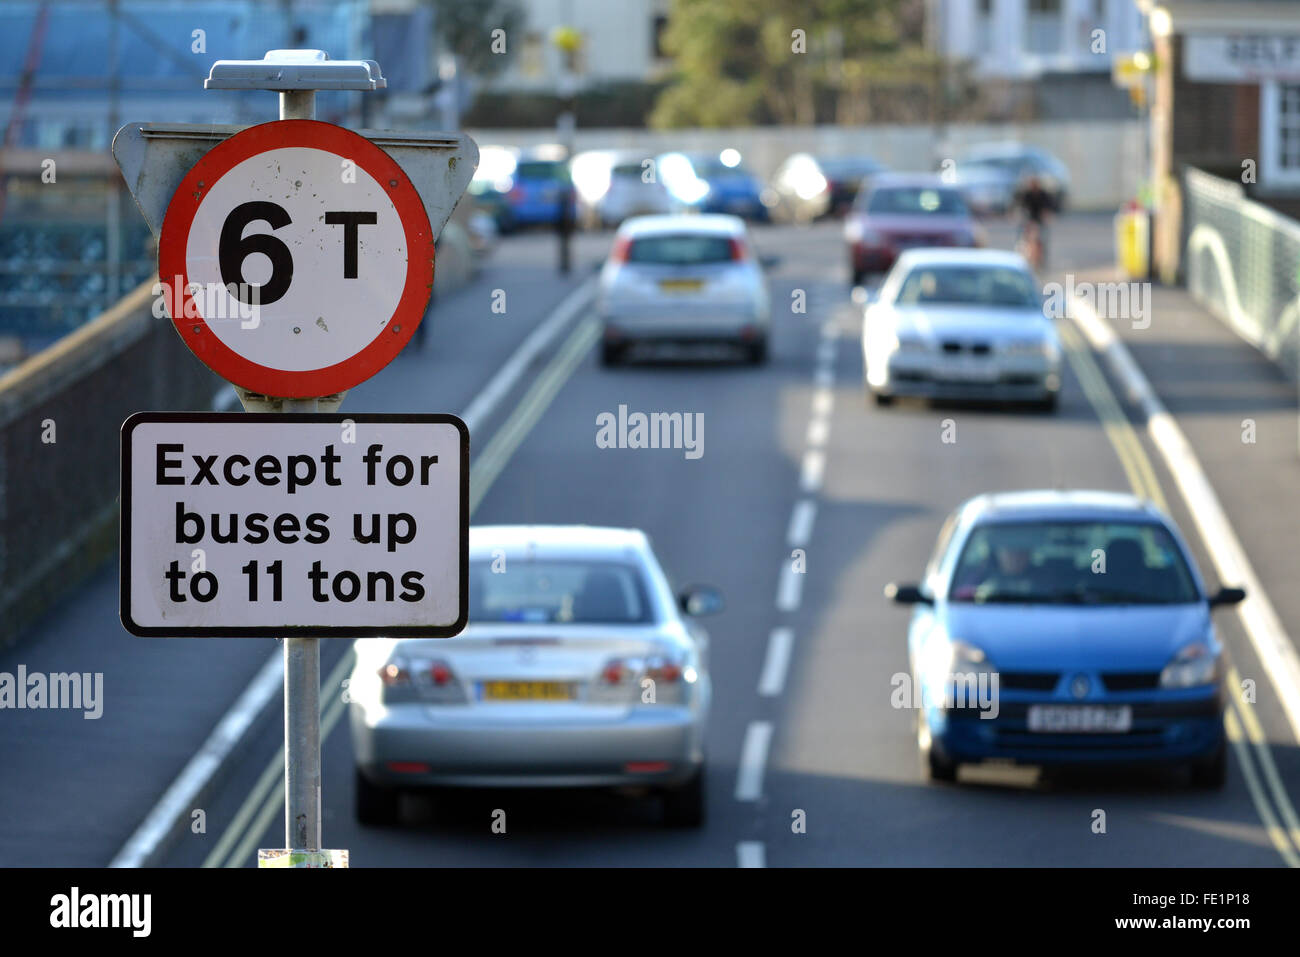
(681, 285)
(527, 691)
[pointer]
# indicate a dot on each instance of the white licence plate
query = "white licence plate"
(969, 371)
(1050, 718)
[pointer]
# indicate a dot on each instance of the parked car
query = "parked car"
(1066, 627)
(492, 182)
(991, 175)
(806, 187)
(684, 278)
(629, 190)
(733, 188)
(900, 211)
(547, 685)
(539, 189)
(961, 324)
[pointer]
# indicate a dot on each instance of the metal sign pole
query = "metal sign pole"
(302, 785)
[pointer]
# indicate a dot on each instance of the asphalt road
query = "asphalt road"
(793, 459)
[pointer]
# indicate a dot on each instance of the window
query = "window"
(1279, 124)
(531, 57)
(564, 592)
(1072, 563)
(657, 28)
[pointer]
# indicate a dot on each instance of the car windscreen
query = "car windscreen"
(916, 201)
(680, 249)
(1072, 563)
(544, 171)
(969, 286)
(562, 592)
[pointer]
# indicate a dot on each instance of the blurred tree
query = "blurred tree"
(738, 62)
(465, 30)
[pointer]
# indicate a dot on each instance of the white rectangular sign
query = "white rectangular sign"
(303, 525)
(1241, 57)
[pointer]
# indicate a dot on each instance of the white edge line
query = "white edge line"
(750, 854)
(789, 590)
(753, 759)
(801, 523)
(776, 662)
(178, 800)
(1262, 625)
(478, 411)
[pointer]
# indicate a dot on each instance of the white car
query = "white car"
(961, 324)
(683, 279)
(579, 668)
(632, 192)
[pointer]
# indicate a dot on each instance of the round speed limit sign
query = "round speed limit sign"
(296, 259)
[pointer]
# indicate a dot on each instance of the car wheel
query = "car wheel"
(756, 352)
(611, 353)
(1211, 773)
(684, 805)
(374, 804)
(881, 399)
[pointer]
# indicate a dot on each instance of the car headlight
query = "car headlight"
(1194, 665)
(906, 343)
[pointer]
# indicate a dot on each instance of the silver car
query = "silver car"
(579, 667)
(683, 279)
(961, 324)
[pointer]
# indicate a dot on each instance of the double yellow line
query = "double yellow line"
(1243, 727)
(265, 802)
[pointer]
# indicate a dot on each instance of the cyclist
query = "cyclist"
(1035, 203)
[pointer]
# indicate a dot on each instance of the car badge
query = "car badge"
(1080, 686)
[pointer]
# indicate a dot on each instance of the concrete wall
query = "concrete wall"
(58, 499)
(1105, 158)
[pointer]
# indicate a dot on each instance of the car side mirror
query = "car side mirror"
(906, 595)
(1227, 596)
(698, 600)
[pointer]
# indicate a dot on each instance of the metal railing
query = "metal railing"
(1243, 265)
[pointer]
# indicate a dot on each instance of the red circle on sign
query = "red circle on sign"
(174, 240)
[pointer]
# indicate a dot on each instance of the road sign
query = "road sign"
(296, 259)
(298, 525)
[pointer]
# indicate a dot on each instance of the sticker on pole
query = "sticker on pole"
(297, 525)
(296, 259)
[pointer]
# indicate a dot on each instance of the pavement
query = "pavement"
(808, 762)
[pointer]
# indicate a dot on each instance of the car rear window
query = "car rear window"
(1072, 563)
(969, 286)
(682, 249)
(916, 201)
(563, 592)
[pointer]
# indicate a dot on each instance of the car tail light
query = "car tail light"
(395, 673)
(739, 252)
(437, 682)
(420, 680)
(622, 247)
(657, 679)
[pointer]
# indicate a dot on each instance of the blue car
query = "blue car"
(537, 194)
(732, 188)
(1064, 627)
